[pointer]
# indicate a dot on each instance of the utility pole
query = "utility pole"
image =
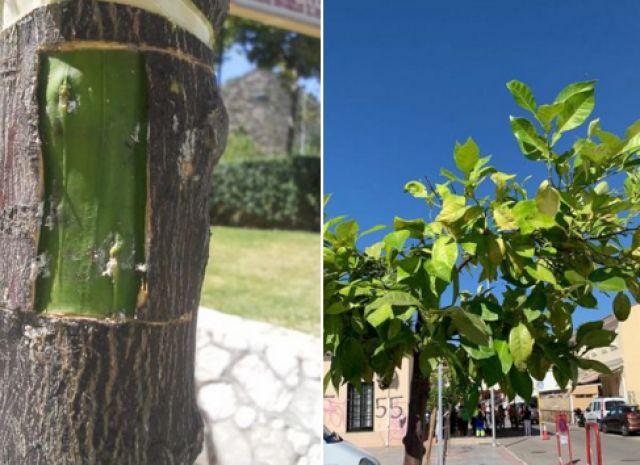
(493, 418)
(440, 422)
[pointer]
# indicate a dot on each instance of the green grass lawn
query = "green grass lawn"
(273, 276)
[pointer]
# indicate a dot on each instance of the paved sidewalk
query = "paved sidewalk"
(259, 390)
(460, 452)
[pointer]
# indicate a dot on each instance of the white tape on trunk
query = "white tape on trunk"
(183, 13)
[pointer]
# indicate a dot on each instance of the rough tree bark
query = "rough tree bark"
(418, 395)
(80, 390)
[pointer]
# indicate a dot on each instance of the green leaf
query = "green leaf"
(326, 199)
(394, 328)
(522, 95)
(466, 155)
(380, 315)
(573, 89)
(588, 364)
(428, 360)
(453, 208)
(375, 250)
(608, 280)
(520, 345)
(352, 358)
(396, 240)
(471, 402)
(561, 376)
(621, 306)
(522, 384)
(502, 350)
(586, 328)
(336, 308)
(548, 199)
(415, 227)
(574, 277)
(491, 370)
(397, 298)
(541, 273)
(526, 134)
(577, 109)
(443, 257)
(531, 315)
(479, 353)
(538, 365)
(598, 338)
(347, 231)
(470, 326)
(504, 219)
(417, 189)
(546, 113)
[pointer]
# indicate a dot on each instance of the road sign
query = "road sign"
(563, 439)
(594, 447)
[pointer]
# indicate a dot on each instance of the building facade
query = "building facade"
(373, 417)
(622, 358)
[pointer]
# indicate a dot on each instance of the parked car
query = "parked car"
(600, 408)
(622, 418)
(337, 451)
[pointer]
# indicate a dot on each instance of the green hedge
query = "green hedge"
(282, 193)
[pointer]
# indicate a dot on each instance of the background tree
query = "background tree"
(292, 55)
(110, 125)
(530, 258)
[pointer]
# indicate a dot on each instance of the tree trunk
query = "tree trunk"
(430, 437)
(76, 388)
(418, 396)
(294, 91)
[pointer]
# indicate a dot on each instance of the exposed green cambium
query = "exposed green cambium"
(93, 125)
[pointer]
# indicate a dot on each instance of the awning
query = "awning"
(586, 389)
(303, 16)
(592, 376)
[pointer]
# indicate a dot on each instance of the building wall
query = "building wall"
(629, 334)
(390, 411)
(553, 403)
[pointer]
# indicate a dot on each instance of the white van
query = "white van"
(600, 407)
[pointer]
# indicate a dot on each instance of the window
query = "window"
(360, 408)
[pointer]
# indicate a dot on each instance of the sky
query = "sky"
(403, 81)
(235, 64)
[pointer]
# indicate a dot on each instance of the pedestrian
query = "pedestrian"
(479, 423)
(526, 417)
(501, 416)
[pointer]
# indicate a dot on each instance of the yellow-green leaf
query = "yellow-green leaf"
(520, 345)
(522, 95)
(548, 199)
(466, 155)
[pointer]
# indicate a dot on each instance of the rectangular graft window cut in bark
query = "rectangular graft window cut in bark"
(93, 126)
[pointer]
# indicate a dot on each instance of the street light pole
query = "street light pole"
(440, 444)
(493, 418)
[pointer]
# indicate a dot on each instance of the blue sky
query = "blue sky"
(405, 80)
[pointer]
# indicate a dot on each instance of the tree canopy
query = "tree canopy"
(535, 255)
(270, 47)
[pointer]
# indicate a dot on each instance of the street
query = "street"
(616, 449)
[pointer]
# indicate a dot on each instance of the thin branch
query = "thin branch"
(464, 263)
